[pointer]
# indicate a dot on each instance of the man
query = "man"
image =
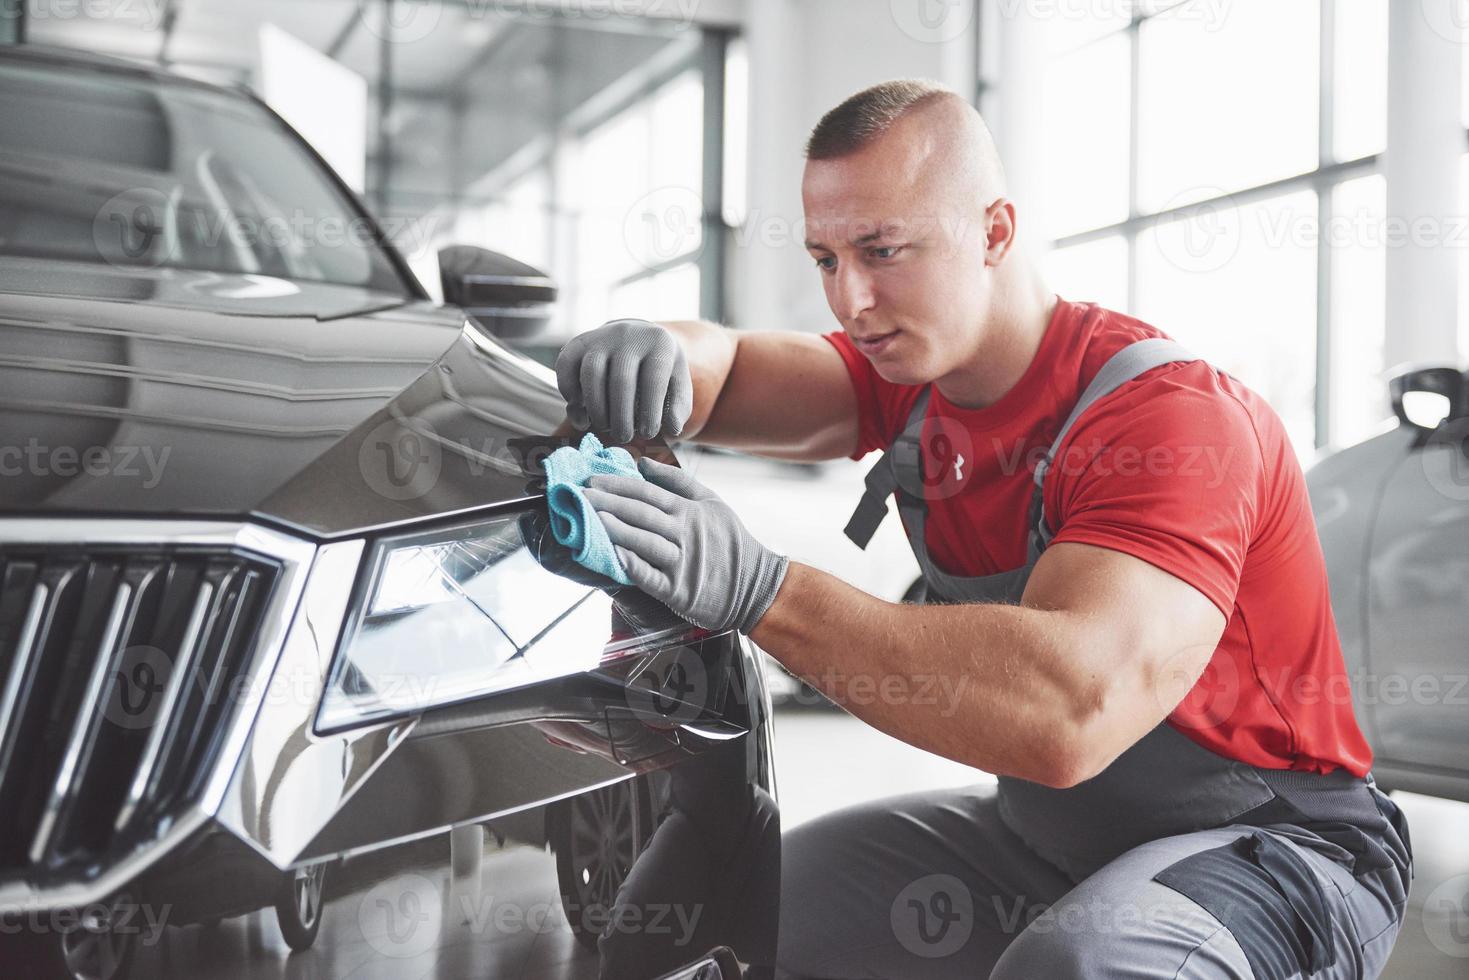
(1124, 582)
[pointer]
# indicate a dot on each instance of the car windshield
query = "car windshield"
(103, 166)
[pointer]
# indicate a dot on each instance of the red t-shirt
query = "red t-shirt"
(1183, 467)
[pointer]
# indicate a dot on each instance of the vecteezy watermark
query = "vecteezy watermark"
(1096, 916)
(1446, 917)
(1210, 465)
(408, 21)
(673, 688)
(669, 222)
(35, 458)
(139, 683)
(401, 458)
(1445, 460)
(1449, 19)
(933, 917)
(146, 14)
(142, 226)
(1199, 687)
(933, 21)
(1202, 688)
(942, 692)
(935, 459)
(119, 916)
(407, 915)
(1199, 237)
(1211, 14)
(402, 917)
(1206, 236)
(663, 225)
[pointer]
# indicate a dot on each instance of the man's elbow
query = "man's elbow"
(1079, 747)
(1067, 764)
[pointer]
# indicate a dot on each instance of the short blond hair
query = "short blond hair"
(869, 114)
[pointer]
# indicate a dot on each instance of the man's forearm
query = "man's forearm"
(991, 686)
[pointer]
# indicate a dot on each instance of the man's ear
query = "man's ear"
(999, 220)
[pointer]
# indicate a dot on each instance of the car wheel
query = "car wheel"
(597, 837)
(298, 908)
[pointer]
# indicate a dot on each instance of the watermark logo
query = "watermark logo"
(1194, 698)
(401, 917)
(1211, 14)
(401, 459)
(1445, 460)
(145, 14)
(402, 21)
(138, 685)
(948, 454)
(1202, 237)
(1449, 19)
(1446, 917)
(664, 225)
(37, 459)
(674, 688)
(933, 917)
(933, 21)
(408, 21)
(133, 227)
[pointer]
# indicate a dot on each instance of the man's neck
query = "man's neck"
(1018, 322)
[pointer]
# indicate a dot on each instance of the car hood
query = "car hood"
(361, 417)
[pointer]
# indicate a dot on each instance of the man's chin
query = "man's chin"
(902, 373)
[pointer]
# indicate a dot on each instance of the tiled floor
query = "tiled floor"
(826, 759)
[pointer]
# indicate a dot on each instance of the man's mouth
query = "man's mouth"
(876, 344)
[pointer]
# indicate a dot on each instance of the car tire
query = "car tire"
(597, 837)
(298, 907)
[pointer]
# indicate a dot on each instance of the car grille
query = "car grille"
(118, 670)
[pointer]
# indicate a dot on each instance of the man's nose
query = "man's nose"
(853, 294)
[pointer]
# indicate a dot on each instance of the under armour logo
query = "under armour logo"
(958, 467)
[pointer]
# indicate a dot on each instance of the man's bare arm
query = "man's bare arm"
(775, 393)
(1051, 690)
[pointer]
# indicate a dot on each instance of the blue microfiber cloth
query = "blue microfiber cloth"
(573, 520)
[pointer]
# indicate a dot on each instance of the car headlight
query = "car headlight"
(454, 614)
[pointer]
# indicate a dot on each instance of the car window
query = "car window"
(104, 166)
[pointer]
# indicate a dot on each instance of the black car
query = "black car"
(282, 625)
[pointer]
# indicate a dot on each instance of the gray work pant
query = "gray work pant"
(934, 885)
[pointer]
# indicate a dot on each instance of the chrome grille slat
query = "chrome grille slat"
(189, 648)
(88, 717)
(20, 666)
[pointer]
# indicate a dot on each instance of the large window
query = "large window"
(1213, 170)
(611, 193)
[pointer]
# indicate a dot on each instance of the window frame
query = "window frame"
(1323, 179)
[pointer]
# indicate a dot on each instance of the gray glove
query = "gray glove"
(626, 378)
(685, 547)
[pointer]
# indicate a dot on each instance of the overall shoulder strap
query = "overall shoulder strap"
(1130, 362)
(882, 479)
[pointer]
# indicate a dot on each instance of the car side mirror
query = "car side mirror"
(509, 299)
(1427, 398)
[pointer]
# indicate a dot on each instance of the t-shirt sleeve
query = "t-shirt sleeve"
(879, 402)
(1171, 475)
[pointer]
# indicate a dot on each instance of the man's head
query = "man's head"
(907, 221)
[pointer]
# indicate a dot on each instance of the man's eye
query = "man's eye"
(886, 251)
(826, 262)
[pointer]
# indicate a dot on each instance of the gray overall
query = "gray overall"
(1173, 861)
